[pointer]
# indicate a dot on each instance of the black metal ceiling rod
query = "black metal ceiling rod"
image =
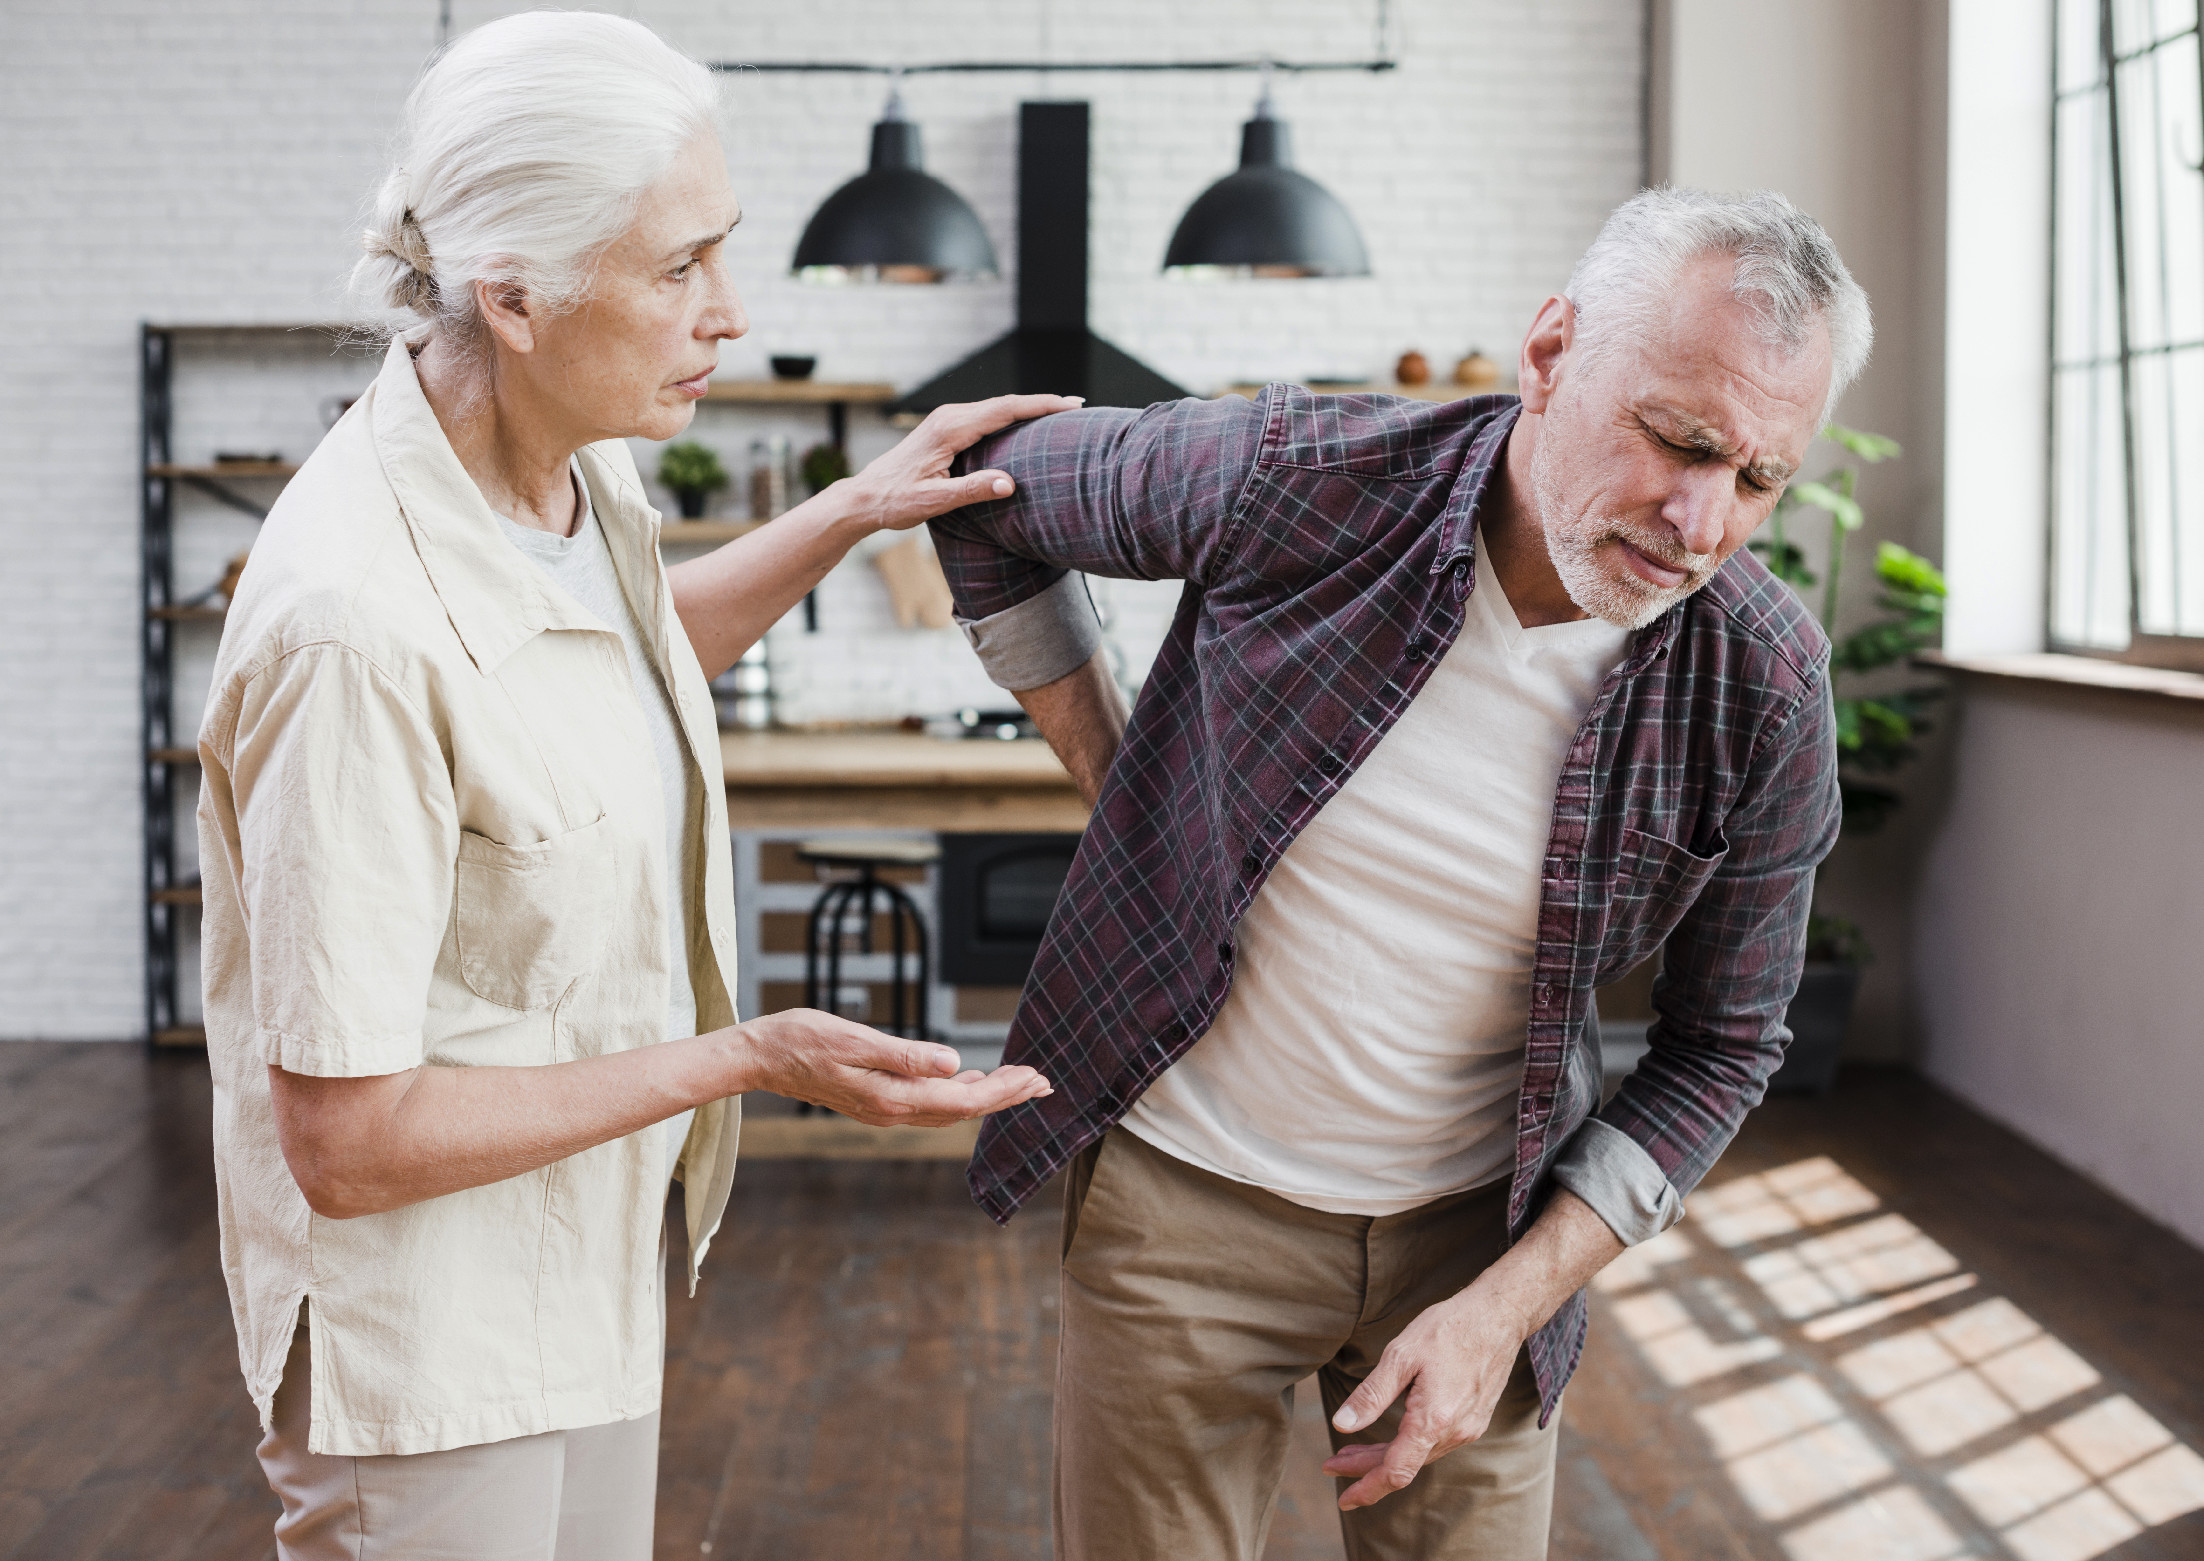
(989, 67)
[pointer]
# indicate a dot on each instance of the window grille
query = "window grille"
(2127, 330)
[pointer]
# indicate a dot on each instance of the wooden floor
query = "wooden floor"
(1888, 1332)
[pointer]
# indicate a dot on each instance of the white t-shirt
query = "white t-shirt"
(581, 566)
(1368, 1056)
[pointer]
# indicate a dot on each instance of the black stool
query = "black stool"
(825, 936)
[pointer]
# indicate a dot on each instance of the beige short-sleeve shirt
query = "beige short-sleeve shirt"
(432, 832)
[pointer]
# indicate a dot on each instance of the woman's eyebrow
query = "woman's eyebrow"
(706, 242)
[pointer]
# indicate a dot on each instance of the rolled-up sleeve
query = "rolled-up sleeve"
(1624, 1185)
(346, 842)
(1043, 638)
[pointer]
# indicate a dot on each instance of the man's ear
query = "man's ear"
(504, 308)
(1545, 347)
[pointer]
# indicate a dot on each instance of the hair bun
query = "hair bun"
(414, 286)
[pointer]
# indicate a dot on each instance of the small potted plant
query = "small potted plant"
(692, 473)
(824, 465)
(1878, 728)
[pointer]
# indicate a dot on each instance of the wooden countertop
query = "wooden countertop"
(766, 760)
(896, 780)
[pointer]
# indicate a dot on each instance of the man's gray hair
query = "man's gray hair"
(1787, 272)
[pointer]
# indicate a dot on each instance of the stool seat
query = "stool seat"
(863, 850)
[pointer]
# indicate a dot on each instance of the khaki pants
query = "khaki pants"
(1193, 1304)
(586, 1495)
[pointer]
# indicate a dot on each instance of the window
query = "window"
(2127, 333)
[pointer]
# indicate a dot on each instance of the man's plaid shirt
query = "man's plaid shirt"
(1325, 542)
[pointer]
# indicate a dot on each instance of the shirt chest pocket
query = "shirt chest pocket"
(533, 919)
(1656, 881)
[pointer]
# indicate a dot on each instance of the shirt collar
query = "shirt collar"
(1465, 505)
(1464, 510)
(496, 600)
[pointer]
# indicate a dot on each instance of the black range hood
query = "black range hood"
(1051, 349)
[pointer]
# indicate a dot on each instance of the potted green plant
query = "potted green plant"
(824, 465)
(1878, 727)
(692, 473)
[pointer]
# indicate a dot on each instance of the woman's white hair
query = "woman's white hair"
(1787, 272)
(522, 154)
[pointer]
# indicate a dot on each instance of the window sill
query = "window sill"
(2047, 668)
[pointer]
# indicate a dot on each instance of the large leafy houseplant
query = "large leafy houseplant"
(1878, 728)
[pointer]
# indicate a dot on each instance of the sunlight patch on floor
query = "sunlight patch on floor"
(1883, 1406)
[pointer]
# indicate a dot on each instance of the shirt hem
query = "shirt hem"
(345, 1438)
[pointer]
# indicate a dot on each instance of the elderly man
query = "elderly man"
(1466, 710)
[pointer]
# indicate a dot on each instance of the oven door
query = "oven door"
(997, 893)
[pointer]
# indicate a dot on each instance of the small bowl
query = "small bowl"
(793, 368)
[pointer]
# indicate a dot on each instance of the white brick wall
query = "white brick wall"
(205, 160)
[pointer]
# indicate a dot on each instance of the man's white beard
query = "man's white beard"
(1613, 592)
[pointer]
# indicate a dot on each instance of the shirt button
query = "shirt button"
(1250, 865)
(1419, 651)
(1331, 763)
(1224, 952)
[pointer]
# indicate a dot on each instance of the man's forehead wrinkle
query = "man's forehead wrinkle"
(1697, 432)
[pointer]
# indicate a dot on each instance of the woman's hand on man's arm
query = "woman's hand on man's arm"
(368, 1145)
(729, 598)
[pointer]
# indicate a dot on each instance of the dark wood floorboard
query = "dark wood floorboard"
(867, 1368)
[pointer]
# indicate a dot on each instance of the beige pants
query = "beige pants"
(1193, 1304)
(585, 1495)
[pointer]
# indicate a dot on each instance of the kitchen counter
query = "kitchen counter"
(896, 780)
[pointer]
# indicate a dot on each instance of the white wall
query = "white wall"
(206, 161)
(1841, 107)
(2058, 951)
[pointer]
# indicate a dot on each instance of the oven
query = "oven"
(996, 895)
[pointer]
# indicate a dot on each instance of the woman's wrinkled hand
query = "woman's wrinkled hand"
(911, 483)
(878, 1079)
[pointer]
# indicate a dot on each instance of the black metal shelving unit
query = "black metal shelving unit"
(168, 897)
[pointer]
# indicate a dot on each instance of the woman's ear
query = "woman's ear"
(504, 308)
(1545, 346)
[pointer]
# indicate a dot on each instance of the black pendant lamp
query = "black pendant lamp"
(1266, 219)
(894, 222)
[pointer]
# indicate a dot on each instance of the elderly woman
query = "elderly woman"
(469, 913)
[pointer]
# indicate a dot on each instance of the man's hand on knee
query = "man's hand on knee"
(1453, 1362)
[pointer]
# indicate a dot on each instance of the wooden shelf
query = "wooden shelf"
(225, 469)
(177, 894)
(260, 327)
(174, 756)
(706, 531)
(182, 1036)
(799, 392)
(188, 614)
